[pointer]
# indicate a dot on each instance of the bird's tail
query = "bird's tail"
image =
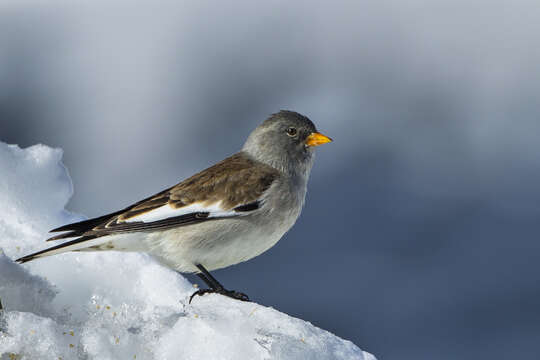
(81, 243)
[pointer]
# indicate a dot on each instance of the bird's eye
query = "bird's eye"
(291, 131)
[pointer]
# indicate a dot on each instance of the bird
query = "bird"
(229, 213)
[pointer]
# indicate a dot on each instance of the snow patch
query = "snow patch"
(119, 305)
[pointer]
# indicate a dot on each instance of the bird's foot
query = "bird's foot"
(230, 293)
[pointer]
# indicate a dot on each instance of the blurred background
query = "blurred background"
(420, 235)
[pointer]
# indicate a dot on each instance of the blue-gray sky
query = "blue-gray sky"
(419, 239)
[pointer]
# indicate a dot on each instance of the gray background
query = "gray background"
(419, 239)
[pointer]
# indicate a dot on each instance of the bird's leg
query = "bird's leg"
(210, 280)
(216, 287)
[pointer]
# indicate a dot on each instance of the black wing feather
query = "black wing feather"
(85, 225)
(192, 218)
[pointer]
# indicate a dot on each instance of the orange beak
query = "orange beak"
(316, 139)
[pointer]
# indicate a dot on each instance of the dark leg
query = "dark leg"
(208, 278)
(216, 287)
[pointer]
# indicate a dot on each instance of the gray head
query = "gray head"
(286, 141)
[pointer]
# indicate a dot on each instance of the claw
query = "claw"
(200, 292)
(229, 293)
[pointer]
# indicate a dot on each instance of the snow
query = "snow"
(119, 305)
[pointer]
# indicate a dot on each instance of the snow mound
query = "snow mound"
(119, 305)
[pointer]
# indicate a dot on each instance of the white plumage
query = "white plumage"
(166, 211)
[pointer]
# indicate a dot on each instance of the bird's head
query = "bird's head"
(286, 141)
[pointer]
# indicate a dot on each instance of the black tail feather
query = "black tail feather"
(65, 236)
(85, 225)
(35, 255)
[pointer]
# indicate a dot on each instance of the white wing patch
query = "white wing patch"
(166, 211)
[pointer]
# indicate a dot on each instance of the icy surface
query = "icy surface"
(119, 305)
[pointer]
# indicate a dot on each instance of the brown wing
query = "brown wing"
(237, 182)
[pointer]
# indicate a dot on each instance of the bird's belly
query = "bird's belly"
(216, 244)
